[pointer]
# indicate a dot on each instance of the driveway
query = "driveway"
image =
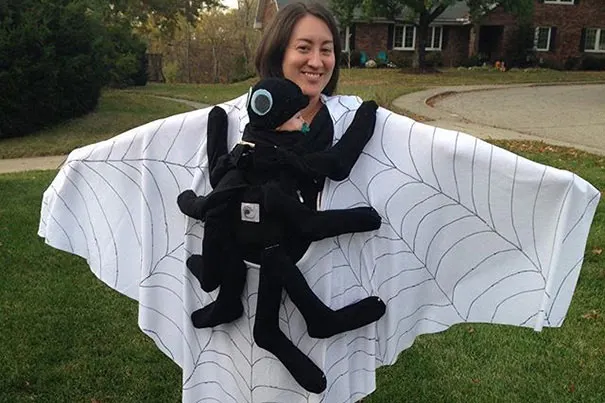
(571, 115)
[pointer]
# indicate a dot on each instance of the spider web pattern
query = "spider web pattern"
(470, 233)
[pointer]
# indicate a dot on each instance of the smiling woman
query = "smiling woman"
(300, 45)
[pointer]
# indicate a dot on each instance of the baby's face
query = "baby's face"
(294, 124)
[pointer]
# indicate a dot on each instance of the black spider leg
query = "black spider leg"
(322, 322)
(216, 149)
(214, 245)
(316, 225)
(337, 161)
(216, 143)
(220, 258)
(268, 335)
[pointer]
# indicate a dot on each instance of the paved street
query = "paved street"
(567, 115)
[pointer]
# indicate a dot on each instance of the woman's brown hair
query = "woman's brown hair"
(272, 47)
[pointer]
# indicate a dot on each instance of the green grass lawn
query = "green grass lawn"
(66, 337)
(119, 111)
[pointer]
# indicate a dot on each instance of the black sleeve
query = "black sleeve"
(337, 161)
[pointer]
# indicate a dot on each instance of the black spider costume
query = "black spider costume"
(262, 210)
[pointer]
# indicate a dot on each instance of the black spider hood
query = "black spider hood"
(272, 101)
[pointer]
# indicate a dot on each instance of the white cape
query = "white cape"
(470, 233)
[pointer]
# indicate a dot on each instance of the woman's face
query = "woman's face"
(309, 58)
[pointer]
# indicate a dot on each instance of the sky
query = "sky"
(230, 3)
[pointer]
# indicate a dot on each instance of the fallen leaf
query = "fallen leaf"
(594, 314)
(571, 388)
(471, 329)
(475, 380)
(597, 251)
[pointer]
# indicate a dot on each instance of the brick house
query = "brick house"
(563, 31)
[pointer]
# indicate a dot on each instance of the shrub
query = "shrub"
(344, 59)
(434, 59)
(593, 63)
(521, 53)
(241, 72)
(126, 63)
(51, 63)
(572, 63)
(472, 61)
(355, 58)
(400, 58)
(547, 63)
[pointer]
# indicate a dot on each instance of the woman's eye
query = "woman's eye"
(303, 49)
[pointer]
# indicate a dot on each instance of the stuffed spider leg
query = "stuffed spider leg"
(197, 206)
(268, 335)
(216, 144)
(219, 259)
(322, 322)
(220, 254)
(337, 161)
(316, 225)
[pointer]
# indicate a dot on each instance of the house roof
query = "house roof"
(456, 14)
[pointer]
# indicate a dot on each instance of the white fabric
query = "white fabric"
(470, 233)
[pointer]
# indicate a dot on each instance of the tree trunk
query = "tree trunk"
(473, 43)
(422, 31)
(245, 49)
(188, 53)
(215, 69)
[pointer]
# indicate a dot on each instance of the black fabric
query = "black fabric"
(267, 335)
(322, 322)
(262, 209)
(273, 101)
(217, 119)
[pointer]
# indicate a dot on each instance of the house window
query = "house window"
(404, 37)
(542, 39)
(595, 40)
(559, 1)
(434, 38)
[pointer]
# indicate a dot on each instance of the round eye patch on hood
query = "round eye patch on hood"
(261, 102)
